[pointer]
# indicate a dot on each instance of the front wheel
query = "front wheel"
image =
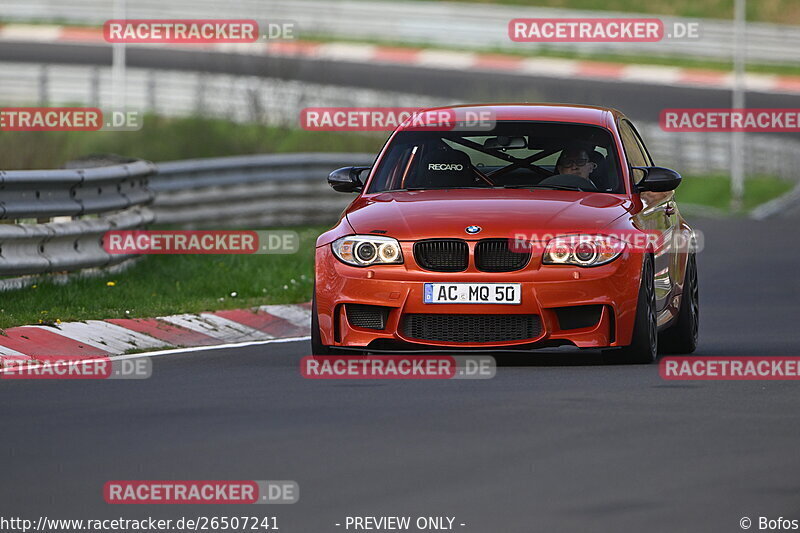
(681, 338)
(317, 348)
(643, 348)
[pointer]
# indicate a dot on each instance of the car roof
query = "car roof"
(580, 114)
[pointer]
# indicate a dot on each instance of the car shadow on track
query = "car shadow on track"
(557, 358)
(544, 357)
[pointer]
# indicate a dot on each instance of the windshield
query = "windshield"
(512, 155)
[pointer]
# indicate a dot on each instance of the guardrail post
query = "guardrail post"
(200, 96)
(256, 109)
(94, 87)
(151, 91)
(43, 85)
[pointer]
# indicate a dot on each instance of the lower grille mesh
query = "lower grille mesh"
(367, 316)
(471, 328)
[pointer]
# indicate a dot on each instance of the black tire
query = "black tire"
(681, 337)
(643, 348)
(317, 348)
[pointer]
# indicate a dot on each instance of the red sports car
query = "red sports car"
(550, 226)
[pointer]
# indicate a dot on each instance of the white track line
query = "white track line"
(216, 347)
(177, 351)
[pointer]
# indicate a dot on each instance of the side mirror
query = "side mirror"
(347, 179)
(658, 179)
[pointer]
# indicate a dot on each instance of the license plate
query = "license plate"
(472, 293)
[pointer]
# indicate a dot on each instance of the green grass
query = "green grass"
(169, 284)
(777, 11)
(164, 139)
(715, 191)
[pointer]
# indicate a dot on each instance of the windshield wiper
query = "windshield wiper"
(546, 186)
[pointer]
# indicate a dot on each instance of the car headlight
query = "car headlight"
(582, 250)
(367, 250)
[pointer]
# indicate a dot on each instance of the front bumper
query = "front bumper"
(546, 289)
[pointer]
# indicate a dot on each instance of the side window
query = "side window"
(642, 146)
(634, 150)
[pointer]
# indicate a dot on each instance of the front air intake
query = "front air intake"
(471, 328)
(367, 316)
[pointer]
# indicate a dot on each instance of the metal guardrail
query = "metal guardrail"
(438, 23)
(73, 192)
(246, 191)
(252, 191)
(64, 246)
(66, 235)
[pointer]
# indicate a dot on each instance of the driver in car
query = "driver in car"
(574, 159)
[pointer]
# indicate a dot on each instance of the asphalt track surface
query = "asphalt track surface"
(639, 101)
(558, 442)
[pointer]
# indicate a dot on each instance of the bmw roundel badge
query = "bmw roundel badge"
(472, 230)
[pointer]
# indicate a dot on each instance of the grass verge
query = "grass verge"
(715, 191)
(777, 11)
(170, 284)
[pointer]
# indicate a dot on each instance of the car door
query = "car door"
(659, 214)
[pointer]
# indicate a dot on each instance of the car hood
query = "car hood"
(500, 213)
